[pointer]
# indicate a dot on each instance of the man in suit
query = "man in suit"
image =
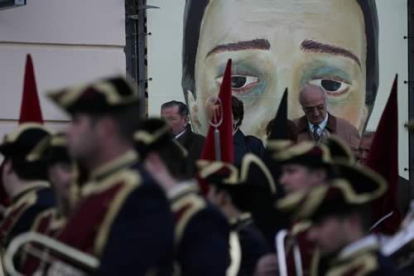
(125, 218)
(176, 113)
(317, 124)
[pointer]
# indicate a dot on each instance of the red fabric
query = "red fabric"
(30, 108)
(225, 129)
(383, 158)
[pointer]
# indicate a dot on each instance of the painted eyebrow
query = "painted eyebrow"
(255, 44)
(317, 47)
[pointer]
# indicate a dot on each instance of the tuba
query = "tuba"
(57, 251)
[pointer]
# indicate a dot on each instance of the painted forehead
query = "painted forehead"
(331, 23)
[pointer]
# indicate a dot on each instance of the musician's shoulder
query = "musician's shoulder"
(368, 264)
(193, 213)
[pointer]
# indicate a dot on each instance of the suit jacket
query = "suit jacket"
(246, 144)
(194, 144)
(201, 234)
(123, 218)
(340, 127)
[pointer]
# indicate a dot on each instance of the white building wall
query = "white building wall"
(70, 42)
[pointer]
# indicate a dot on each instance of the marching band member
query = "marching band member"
(201, 231)
(339, 216)
(123, 217)
(25, 181)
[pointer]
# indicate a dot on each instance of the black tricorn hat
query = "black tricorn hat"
(18, 144)
(103, 96)
(353, 188)
(339, 151)
(218, 173)
(154, 133)
(52, 149)
(305, 153)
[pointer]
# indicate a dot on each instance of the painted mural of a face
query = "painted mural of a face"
(276, 44)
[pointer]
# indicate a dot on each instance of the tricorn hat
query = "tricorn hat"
(103, 96)
(353, 188)
(18, 144)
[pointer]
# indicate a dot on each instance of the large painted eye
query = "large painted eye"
(334, 88)
(241, 84)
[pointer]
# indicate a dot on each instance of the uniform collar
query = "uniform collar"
(31, 186)
(241, 221)
(368, 243)
(125, 160)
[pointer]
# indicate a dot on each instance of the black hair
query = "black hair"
(237, 108)
(182, 107)
(193, 17)
(127, 118)
(240, 196)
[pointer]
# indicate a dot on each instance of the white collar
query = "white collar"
(322, 125)
(366, 242)
(181, 133)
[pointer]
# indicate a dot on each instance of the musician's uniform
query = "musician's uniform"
(308, 252)
(343, 198)
(253, 244)
(361, 258)
(25, 207)
(48, 223)
(247, 243)
(122, 217)
(36, 195)
(201, 234)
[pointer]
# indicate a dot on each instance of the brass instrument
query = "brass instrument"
(69, 255)
(282, 257)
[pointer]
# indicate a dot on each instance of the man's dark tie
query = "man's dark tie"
(315, 133)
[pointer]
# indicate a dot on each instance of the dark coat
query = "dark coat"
(246, 144)
(202, 235)
(23, 211)
(194, 144)
(252, 243)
